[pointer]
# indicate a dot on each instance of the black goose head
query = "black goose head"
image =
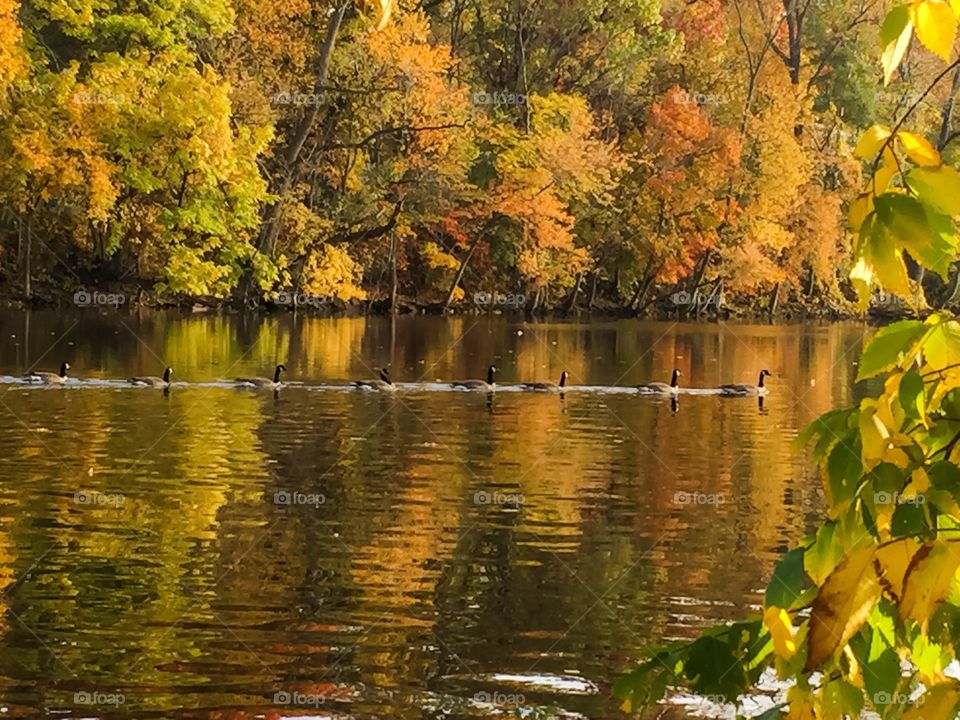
(385, 376)
(276, 373)
(166, 374)
(490, 371)
(63, 369)
(675, 378)
(763, 374)
(563, 378)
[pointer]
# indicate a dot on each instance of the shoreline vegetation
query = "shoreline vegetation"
(590, 156)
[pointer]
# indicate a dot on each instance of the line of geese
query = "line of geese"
(385, 384)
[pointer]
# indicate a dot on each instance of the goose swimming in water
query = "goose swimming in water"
(659, 388)
(549, 386)
(384, 384)
(263, 383)
(49, 378)
(153, 381)
(478, 384)
(747, 390)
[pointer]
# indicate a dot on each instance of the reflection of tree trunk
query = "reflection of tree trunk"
(459, 276)
(394, 284)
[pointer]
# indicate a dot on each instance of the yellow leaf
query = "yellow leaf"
(802, 705)
(891, 563)
(928, 580)
(919, 149)
(871, 142)
(777, 621)
(845, 601)
(936, 25)
(859, 209)
(937, 703)
(895, 34)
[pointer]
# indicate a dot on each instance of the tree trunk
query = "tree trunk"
(946, 122)
(27, 284)
(270, 226)
(572, 302)
(593, 291)
(774, 300)
(459, 276)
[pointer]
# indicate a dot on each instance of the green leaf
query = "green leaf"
(909, 519)
(894, 345)
(912, 396)
(845, 468)
(937, 187)
(895, 36)
(942, 347)
(786, 585)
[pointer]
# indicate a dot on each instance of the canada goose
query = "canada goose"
(758, 389)
(384, 383)
(49, 378)
(660, 388)
(264, 383)
(554, 387)
(153, 381)
(478, 384)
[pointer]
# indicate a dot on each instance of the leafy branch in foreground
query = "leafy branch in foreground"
(865, 613)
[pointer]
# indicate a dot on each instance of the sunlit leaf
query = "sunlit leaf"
(871, 142)
(895, 345)
(895, 34)
(844, 603)
(919, 149)
(937, 187)
(937, 703)
(928, 580)
(936, 25)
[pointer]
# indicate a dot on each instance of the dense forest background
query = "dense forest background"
(577, 154)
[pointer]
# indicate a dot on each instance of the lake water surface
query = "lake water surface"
(218, 553)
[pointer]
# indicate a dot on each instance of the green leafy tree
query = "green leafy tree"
(865, 613)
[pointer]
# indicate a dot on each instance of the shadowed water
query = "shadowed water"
(213, 552)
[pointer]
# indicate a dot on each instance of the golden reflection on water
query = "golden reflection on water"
(463, 544)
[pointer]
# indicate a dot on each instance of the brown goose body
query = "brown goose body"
(383, 384)
(548, 386)
(489, 385)
(659, 388)
(49, 378)
(262, 383)
(153, 380)
(747, 390)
